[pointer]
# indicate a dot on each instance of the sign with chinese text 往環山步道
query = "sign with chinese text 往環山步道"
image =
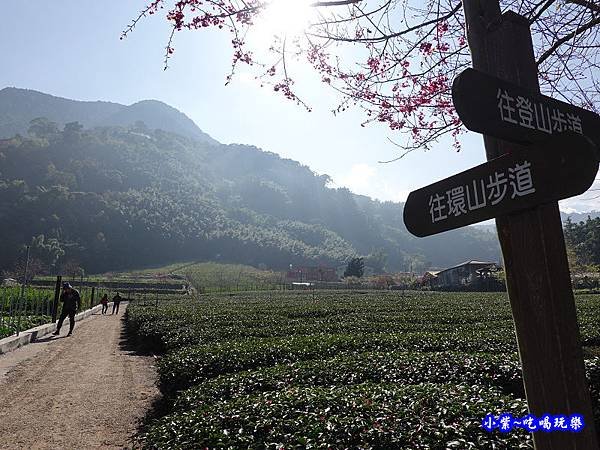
(560, 169)
(504, 110)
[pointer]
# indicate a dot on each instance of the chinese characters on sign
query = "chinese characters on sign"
(513, 182)
(548, 422)
(526, 113)
(497, 108)
(517, 181)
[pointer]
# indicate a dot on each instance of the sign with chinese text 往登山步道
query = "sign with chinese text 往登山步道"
(504, 110)
(560, 169)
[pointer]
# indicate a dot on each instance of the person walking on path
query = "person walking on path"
(104, 303)
(71, 301)
(116, 301)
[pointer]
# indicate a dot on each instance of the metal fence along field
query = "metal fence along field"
(25, 308)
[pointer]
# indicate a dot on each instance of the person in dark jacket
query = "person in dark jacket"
(71, 301)
(116, 302)
(104, 302)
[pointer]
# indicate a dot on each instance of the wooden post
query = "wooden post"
(533, 247)
(24, 284)
(92, 297)
(56, 298)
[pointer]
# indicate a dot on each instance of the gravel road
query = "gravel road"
(78, 392)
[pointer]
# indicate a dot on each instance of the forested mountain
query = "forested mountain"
(130, 196)
(19, 106)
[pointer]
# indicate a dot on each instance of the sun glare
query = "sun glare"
(286, 17)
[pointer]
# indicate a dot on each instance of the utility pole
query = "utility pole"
(22, 300)
(56, 297)
(533, 247)
(24, 284)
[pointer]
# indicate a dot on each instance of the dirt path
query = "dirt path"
(85, 391)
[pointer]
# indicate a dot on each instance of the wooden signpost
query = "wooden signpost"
(560, 169)
(532, 241)
(492, 106)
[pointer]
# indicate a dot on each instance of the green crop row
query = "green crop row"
(339, 369)
(223, 318)
(394, 367)
(9, 325)
(215, 318)
(187, 366)
(364, 416)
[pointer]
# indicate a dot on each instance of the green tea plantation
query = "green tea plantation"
(369, 370)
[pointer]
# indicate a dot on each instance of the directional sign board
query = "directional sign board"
(559, 169)
(504, 110)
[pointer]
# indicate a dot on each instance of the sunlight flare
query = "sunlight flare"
(285, 17)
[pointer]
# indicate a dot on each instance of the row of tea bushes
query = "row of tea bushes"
(285, 314)
(380, 370)
(394, 367)
(365, 416)
(190, 365)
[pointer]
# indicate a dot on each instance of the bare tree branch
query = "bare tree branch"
(567, 38)
(590, 5)
(335, 3)
(541, 11)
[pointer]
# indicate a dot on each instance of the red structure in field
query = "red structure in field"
(312, 273)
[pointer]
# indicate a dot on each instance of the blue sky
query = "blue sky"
(71, 48)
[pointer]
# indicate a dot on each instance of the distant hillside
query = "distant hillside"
(575, 217)
(118, 197)
(19, 106)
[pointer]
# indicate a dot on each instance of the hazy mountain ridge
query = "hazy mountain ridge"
(124, 197)
(575, 217)
(579, 216)
(19, 106)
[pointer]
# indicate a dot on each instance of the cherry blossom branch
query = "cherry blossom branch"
(397, 34)
(404, 54)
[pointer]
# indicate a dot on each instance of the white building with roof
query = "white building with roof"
(462, 274)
